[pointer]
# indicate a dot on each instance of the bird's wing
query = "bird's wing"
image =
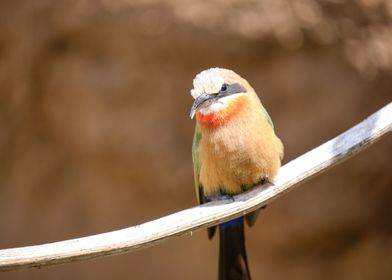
(196, 165)
(269, 120)
(201, 198)
(267, 116)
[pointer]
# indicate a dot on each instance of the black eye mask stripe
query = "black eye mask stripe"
(231, 89)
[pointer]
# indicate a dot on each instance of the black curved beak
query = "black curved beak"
(199, 101)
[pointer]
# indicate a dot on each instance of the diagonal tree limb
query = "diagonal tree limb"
(184, 222)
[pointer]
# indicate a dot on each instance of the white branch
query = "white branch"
(184, 222)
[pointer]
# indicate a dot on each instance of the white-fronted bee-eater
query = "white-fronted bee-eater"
(234, 148)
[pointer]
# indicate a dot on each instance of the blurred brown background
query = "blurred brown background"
(95, 134)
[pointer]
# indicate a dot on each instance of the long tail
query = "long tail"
(233, 263)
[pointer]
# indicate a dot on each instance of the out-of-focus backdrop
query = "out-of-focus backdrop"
(95, 134)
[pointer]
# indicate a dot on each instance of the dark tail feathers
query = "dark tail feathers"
(233, 263)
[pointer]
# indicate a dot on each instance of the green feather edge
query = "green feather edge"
(196, 164)
(267, 116)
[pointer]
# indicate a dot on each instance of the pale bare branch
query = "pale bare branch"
(184, 222)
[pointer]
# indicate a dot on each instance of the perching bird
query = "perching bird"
(234, 148)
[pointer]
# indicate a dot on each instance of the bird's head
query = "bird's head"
(216, 90)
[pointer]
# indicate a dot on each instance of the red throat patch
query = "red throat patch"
(217, 118)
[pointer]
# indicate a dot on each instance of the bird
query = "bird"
(234, 149)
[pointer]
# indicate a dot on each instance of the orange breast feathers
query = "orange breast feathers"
(217, 118)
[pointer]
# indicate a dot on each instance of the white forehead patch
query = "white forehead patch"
(208, 81)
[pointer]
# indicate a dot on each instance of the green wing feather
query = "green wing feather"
(196, 165)
(267, 116)
(196, 170)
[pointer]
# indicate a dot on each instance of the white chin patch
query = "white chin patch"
(219, 105)
(213, 108)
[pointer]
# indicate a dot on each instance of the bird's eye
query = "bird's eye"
(224, 87)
